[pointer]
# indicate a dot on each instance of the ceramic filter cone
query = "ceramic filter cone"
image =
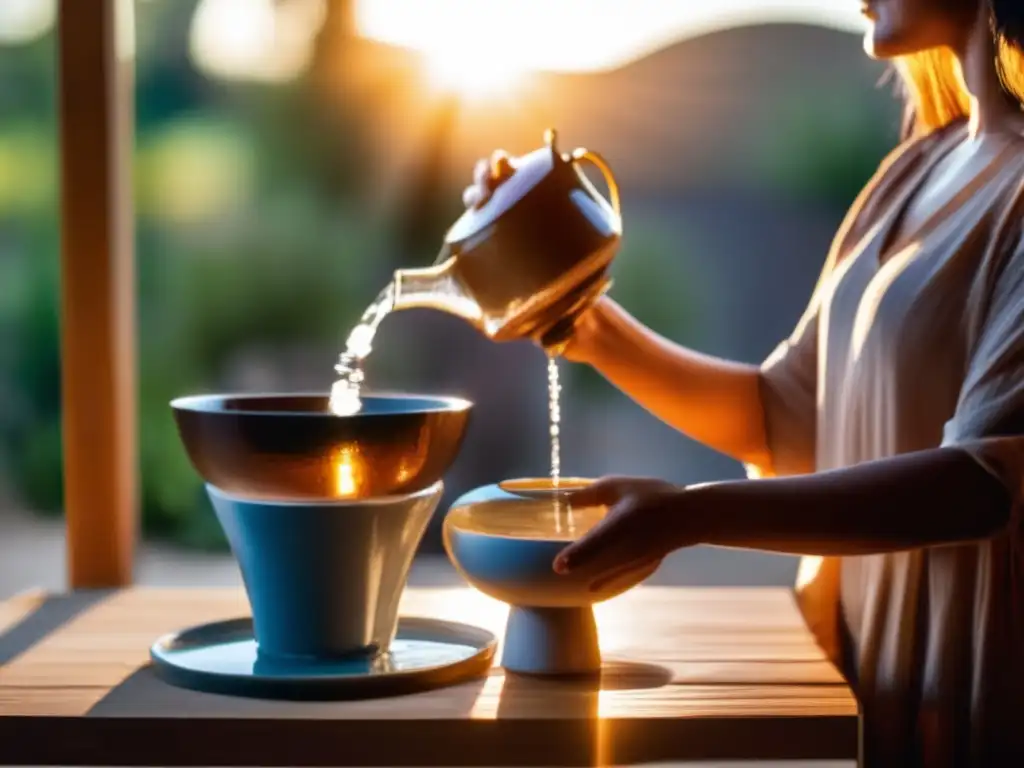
(324, 579)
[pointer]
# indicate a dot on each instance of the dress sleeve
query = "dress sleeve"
(789, 394)
(988, 421)
(789, 375)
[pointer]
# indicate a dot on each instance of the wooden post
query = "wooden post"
(96, 64)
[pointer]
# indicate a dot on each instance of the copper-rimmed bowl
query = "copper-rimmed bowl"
(291, 447)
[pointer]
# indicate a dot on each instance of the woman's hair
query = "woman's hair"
(934, 95)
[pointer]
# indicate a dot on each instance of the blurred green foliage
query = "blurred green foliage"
(823, 145)
(653, 280)
(246, 231)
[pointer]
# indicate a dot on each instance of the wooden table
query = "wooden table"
(691, 674)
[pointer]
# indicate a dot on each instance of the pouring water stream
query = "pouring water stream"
(345, 392)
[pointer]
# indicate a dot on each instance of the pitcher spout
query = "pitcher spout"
(435, 287)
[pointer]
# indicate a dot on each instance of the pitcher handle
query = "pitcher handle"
(582, 155)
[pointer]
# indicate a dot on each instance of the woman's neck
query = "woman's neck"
(992, 109)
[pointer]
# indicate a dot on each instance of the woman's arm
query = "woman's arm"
(713, 401)
(915, 500)
(928, 498)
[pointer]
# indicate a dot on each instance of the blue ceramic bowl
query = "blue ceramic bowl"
(503, 539)
(324, 579)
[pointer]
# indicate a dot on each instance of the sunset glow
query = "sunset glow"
(477, 80)
(476, 48)
(480, 46)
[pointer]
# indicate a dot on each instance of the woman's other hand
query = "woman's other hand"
(643, 524)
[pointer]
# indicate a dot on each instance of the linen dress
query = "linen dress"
(904, 349)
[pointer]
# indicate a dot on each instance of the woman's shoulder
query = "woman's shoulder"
(1005, 202)
(1007, 211)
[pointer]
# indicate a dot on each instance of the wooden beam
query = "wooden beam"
(96, 63)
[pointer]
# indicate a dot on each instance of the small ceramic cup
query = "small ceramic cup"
(324, 579)
(503, 540)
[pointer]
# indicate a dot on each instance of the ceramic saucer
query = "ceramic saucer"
(223, 657)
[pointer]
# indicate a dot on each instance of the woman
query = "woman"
(895, 410)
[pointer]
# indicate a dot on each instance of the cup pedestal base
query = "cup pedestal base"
(551, 642)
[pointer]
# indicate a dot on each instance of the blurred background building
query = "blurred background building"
(292, 153)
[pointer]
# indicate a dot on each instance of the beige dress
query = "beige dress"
(905, 350)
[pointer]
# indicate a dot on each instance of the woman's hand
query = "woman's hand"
(644, 523)
(488, 175)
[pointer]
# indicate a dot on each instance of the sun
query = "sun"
(464, 52)
(475, 79)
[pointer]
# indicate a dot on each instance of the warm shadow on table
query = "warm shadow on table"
(523, 696)
(144, 694)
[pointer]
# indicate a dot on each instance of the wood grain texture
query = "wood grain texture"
(691, 674)
(16, 608)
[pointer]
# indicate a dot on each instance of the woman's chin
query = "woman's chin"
(885, 39)
(881, 46)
